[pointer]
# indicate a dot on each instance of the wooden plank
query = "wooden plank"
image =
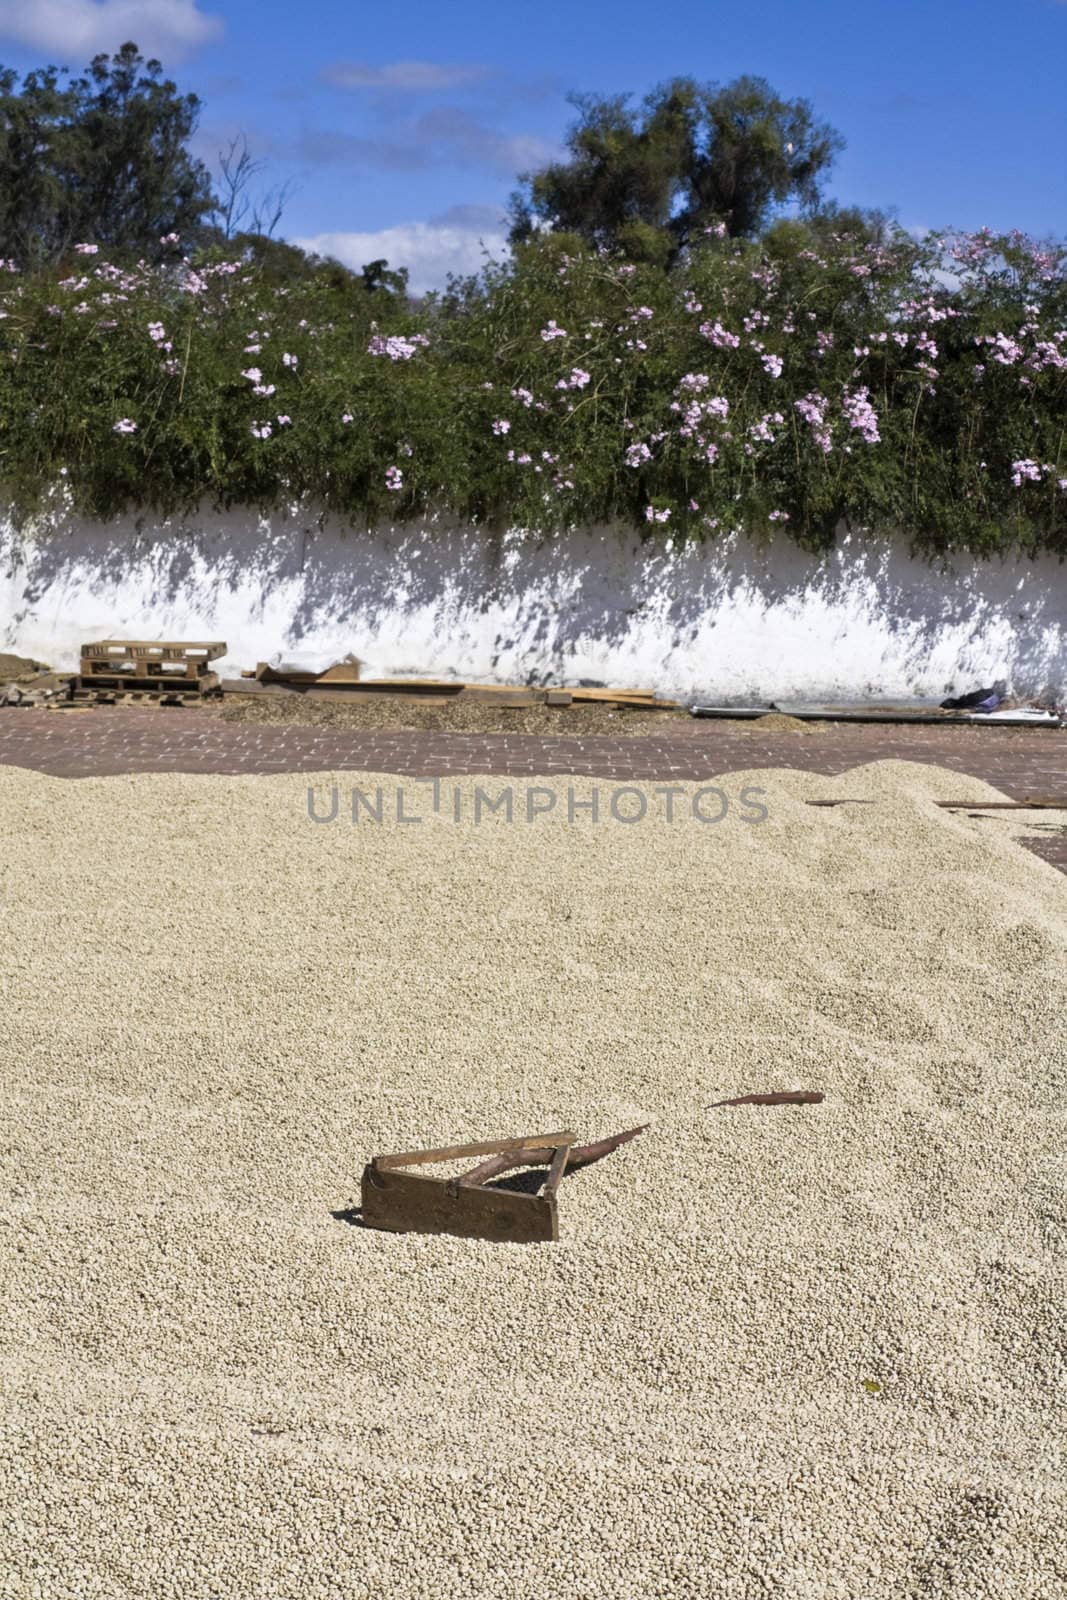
(153, 649)
(1031, 803)
(487, 1147)
(345, 672)
(346, 675)
(557, 1169)
(348, 694)
(353, 684)
(1045, 802)
(164, 683)
(643, 695)
(501, 696)
(623, 697)
(253, 686)
(407, 1202)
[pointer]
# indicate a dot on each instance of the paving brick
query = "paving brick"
(109, 741)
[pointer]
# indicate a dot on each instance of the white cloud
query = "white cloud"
(445, 136)
(406, 77)
(430, 250)
(81, 28)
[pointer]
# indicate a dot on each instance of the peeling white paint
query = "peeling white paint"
(729, 621)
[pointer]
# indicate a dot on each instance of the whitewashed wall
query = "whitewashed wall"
(728, 622)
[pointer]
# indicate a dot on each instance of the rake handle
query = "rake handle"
(780, 1097)
(581, 1155)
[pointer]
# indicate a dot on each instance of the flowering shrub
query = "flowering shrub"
(807, 381)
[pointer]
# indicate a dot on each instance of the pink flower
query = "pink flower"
(86, 249)
(396, 347)
(637, 454)
(719, 336)
(553, 331)
(346, 416)
(813, 409)
(253, 375)
(773, 365)
(261, 430)
(394, 479)
(861, 414)
(284, 422)
(501, 425)
(288, 360)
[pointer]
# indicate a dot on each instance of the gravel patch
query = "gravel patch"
(787, 1352)
(386, 712)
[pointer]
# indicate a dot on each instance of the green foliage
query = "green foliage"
(101, 157)
(694, 156)
(832, 373)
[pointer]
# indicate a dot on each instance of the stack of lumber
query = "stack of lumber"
(344, 678)
(151, 667)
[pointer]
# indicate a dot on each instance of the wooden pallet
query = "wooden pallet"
(143, 663)
(126, 687)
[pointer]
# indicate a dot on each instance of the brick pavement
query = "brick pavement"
(105, 741)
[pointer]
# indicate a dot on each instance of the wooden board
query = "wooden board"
(340, 672)
(408, 1202)
(153, 650)
(1039, 802)
(128, 682)
(484, 1147)
(344, 676)
(612, 694)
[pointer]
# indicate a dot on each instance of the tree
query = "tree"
(103, 158)
(647, 181)
(378, 277)
(237, 209)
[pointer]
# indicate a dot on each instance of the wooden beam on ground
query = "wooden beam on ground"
(487, 1147)
(1031, 803)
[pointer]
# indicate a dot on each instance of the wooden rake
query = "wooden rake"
(413, 1202)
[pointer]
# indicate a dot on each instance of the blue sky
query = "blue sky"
(401, 131)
